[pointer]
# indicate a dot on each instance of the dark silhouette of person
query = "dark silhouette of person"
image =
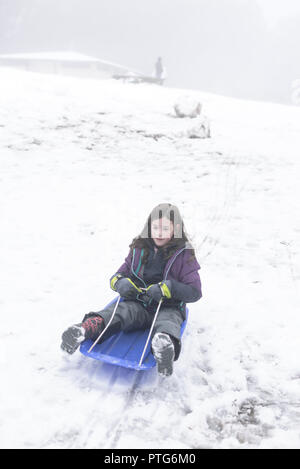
(159, 70)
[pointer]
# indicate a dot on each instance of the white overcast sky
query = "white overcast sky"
(220, 46)
(274, 10)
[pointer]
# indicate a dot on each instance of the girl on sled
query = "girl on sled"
(161, 265)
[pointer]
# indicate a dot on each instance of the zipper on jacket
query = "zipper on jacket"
(139, 266)
(165, 276)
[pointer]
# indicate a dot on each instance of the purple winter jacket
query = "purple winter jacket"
(179, 269)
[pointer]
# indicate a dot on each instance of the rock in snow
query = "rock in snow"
(186, 106)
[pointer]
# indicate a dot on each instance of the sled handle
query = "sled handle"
(105, 329)
(149, 335)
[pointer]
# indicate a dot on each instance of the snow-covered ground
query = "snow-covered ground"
(82, 163)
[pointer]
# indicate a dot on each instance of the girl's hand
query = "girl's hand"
(160, 290)
(125, 287)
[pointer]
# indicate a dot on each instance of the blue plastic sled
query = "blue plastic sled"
(124, 349)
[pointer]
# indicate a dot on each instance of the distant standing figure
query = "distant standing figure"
(160, 70)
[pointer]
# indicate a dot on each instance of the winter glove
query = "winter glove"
(160, 290)
(124, 286)
(114, 280)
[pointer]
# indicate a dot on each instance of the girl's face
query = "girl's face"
(162, 231)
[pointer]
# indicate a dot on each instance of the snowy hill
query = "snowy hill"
(82, 163)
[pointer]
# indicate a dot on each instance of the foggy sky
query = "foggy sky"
(222, 46)
(275, 10)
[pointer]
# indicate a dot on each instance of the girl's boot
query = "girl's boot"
(72, 338)
(74, 335)
(164, 352)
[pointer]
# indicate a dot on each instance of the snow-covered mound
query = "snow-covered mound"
(199, 129)
(82, 163)
(186, 106)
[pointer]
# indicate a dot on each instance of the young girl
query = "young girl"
(162, 262)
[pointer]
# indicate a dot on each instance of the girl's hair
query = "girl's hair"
(178, 240)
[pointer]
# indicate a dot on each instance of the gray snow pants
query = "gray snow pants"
(132, 315)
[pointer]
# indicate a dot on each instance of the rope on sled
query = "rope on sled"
(108, 324)
(149, 335)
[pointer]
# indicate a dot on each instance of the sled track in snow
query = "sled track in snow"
(126, 423)
(104, 397)
(106, 436)
(115, 431)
